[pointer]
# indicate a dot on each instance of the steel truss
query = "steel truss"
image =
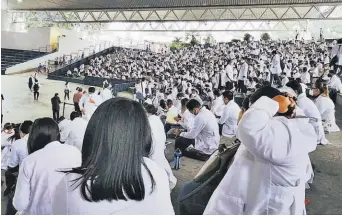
(281, 12)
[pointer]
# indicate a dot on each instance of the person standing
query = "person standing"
(55, 101)
(77, 96)
(67, 91)
(30, 83)
(275, 68)
(243, 72)
(89, 102)
(36, 88)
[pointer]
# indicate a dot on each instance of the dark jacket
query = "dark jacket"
(55, 101)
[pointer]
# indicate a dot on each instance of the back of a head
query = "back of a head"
(74, 115)
(267, 91)
(169, 102)
(80, 89)
(122, 137)
(91, 90)
(184, 101)
(61, 119)
(25, 127)
(150, 109)
(8, 126)
(228, 94)
(43, 132)
(192, 104)
(295, 86)
(56, 94)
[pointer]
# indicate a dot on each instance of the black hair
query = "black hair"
(91, 90)
(44, 131)
(56, 94)
(16, 134)
(25, 127)
(80, 89)
(267, 91)
(169, 102)
(295, 86)
(74, 114)
(162, 104)
(150, 109)
(217, 93)
(8, 126)
(113, 148)
(192, 104)
(61, 119)
(299, 80)
(228, 94)
(184, 101)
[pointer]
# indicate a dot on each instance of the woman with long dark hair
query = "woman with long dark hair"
(38, 173)
(116, 176)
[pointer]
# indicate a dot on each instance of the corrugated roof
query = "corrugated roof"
(145, 4)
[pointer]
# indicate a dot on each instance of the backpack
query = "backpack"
(196, 200)
(36, 87)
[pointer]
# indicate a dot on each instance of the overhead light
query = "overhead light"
(19, 1)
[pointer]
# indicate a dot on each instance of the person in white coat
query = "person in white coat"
(275, 68)
(39, 172)
(7, 138)
(89, 102)
(106, 93)
(158, 144)
(268, 174)
(310, 110)
(64, 127)
(116, 176)
(76, 130)
(229, 119)
(204, 137)
(217, 106)
(242, 76)
(326, 106)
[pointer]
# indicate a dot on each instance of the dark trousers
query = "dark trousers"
(77, 107)
(30, 86)
(241, 86)
(276, 78)
(55, 114)
(183, 143)
(67, 95)
(36, 95)
(333, 95)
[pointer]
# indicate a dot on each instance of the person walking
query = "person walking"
(77, 97)
(67, 91)
(36, 88)
(55, 101)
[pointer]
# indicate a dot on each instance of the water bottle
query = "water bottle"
(176, 160)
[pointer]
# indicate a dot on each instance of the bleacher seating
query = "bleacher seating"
(10, 57)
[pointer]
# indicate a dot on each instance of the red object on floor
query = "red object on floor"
(307, 201)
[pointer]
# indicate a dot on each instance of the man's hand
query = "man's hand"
(91, 100)
(83, 111)
(177, 119)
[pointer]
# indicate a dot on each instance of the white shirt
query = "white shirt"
(229, 119)
(77, 130)
(326, 108)
(284, 81)
(18, 152)
(106, 94)
(158, 145)
(38, 177)
(89, 107)
(275, 65)
(305, 77)
(6, 152)
(187, 120)
(64, 129)
(243, 72)
(68, 199)
(335, 83)
(205, 132)
(271, 178)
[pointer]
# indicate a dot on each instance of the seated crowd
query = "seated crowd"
(109, 157)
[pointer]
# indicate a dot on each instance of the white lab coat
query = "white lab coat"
(38, 177)
(218, 106)
(64, 127)
(187, 120)
(268, 174)
(77, 130)
(311, 110)
(106, 94)
(243, 72)
(158, 145)
(275, 65)
(89, 107)
(326, 108)
(18, 152)
(229, 119)
(230, 72)
(205, 132)
(6, 152)
(335, 83)
(305, 77)
(68, 198)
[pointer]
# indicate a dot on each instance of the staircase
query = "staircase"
(10, 57)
